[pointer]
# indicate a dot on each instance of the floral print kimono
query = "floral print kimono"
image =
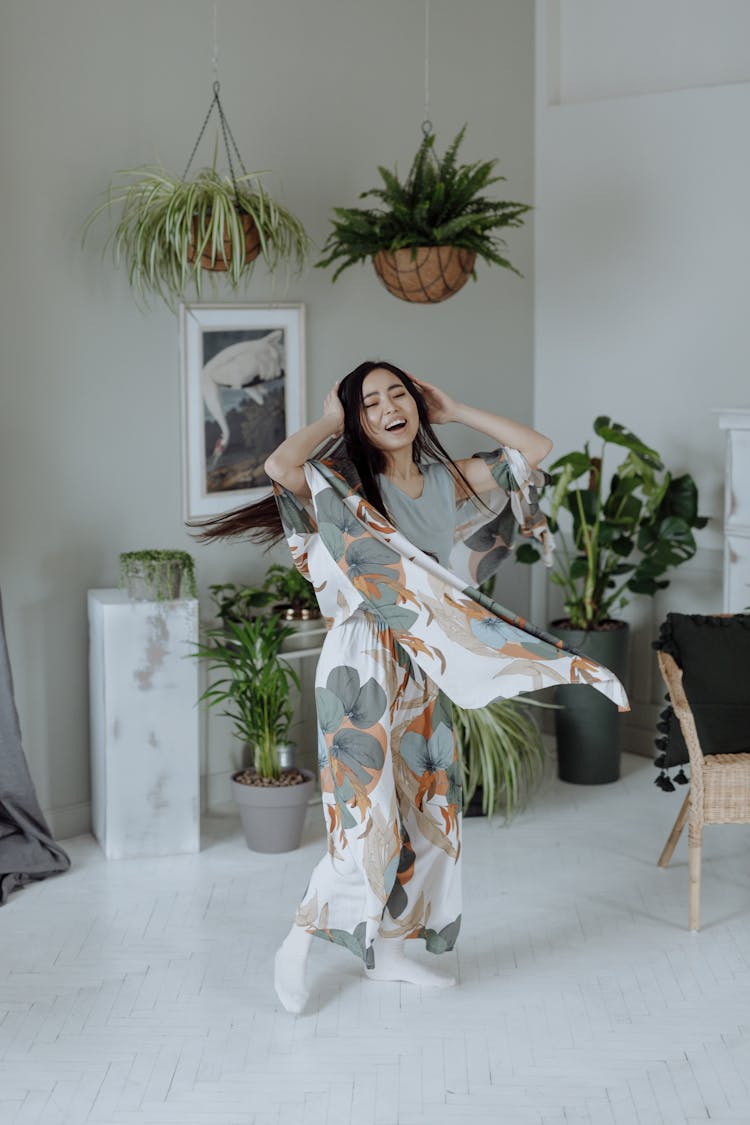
(405, 637)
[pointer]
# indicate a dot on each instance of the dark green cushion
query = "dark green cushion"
(714, 654)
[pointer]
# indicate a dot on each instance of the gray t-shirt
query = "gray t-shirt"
(429, 521)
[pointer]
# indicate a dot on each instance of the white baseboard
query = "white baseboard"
(76, 820)
(73, 820)
(216, 790)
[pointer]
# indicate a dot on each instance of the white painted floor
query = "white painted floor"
(138, 992)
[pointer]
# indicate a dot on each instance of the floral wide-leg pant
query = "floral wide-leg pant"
(390, 778)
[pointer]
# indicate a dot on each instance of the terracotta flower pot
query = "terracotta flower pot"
(436, 273)
(252, 246)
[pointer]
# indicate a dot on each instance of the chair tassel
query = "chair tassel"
(664, 782)
(681, 777)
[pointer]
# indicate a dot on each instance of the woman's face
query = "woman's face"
(389, 413)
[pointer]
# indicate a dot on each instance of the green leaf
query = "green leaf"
(527, 553)
(579, 568)
(578, 463)
(681, 500)
(616, 434)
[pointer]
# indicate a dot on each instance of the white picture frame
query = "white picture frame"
(243, 392)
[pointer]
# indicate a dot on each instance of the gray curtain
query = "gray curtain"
(27, 850)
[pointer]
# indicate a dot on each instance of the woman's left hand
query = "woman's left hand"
(440, 406)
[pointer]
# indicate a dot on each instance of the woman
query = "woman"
(395, 537)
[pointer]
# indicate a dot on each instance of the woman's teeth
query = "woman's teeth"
(395, 426)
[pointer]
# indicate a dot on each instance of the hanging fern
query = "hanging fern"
(439, 204)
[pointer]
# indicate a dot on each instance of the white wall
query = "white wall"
(89, 427)
(642, 251)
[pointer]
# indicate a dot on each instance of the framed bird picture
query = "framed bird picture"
(243, 392)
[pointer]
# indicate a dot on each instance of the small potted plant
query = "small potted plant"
(293, 596)
(238, 603)
(170, 230)
(428, 231)
(252, 684)
(624, 536)
(157, 575)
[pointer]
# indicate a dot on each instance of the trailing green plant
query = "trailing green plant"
(286, 584)
(625, 537)
(156, 568)
(439, 204)
(252, 684)
(167, 224)
(502, 751)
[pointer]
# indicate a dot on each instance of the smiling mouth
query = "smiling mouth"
(394, 426)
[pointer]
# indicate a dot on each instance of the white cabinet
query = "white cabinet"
(145, 776)
(736, 425)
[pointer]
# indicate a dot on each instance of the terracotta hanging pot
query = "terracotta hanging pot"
(433, 275)
(252, 246)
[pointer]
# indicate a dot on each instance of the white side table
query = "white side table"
(145, 770)
(736, 425)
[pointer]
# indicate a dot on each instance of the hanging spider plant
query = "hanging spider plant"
(171, 231)
(502, 751)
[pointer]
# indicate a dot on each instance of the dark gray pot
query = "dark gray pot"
(589, 726)
(273, 817)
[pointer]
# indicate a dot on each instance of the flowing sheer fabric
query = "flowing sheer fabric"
(27, 849)
(473, 648)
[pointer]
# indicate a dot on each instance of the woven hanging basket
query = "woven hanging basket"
(436, 273)
(221, 262)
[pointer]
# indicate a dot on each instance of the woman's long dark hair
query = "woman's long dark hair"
(261, 521)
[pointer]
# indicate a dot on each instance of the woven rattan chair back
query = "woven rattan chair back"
(719, 790)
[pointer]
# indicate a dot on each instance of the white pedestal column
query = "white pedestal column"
(736, 424)
(144, 725)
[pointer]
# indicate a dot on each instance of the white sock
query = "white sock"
(289, 969)
(392, 964)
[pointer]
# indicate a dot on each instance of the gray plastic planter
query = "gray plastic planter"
(273, 816)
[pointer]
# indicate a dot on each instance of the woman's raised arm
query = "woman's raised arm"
(284, 465)
(442, 408)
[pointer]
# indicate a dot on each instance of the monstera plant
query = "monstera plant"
(627, 532)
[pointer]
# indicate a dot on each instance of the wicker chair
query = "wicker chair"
(719, 790)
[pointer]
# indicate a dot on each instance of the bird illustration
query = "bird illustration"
(246, 366)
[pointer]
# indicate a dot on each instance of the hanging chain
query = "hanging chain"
(202, 130)
(215, 55)
(226, 131)
(426, 123)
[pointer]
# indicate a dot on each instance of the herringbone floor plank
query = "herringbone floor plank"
(139, 992)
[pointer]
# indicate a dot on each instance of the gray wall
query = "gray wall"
(320, 92)
(642, 251)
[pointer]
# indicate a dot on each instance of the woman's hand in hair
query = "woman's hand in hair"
(333, 409)
(440, 406)
(286, 463)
